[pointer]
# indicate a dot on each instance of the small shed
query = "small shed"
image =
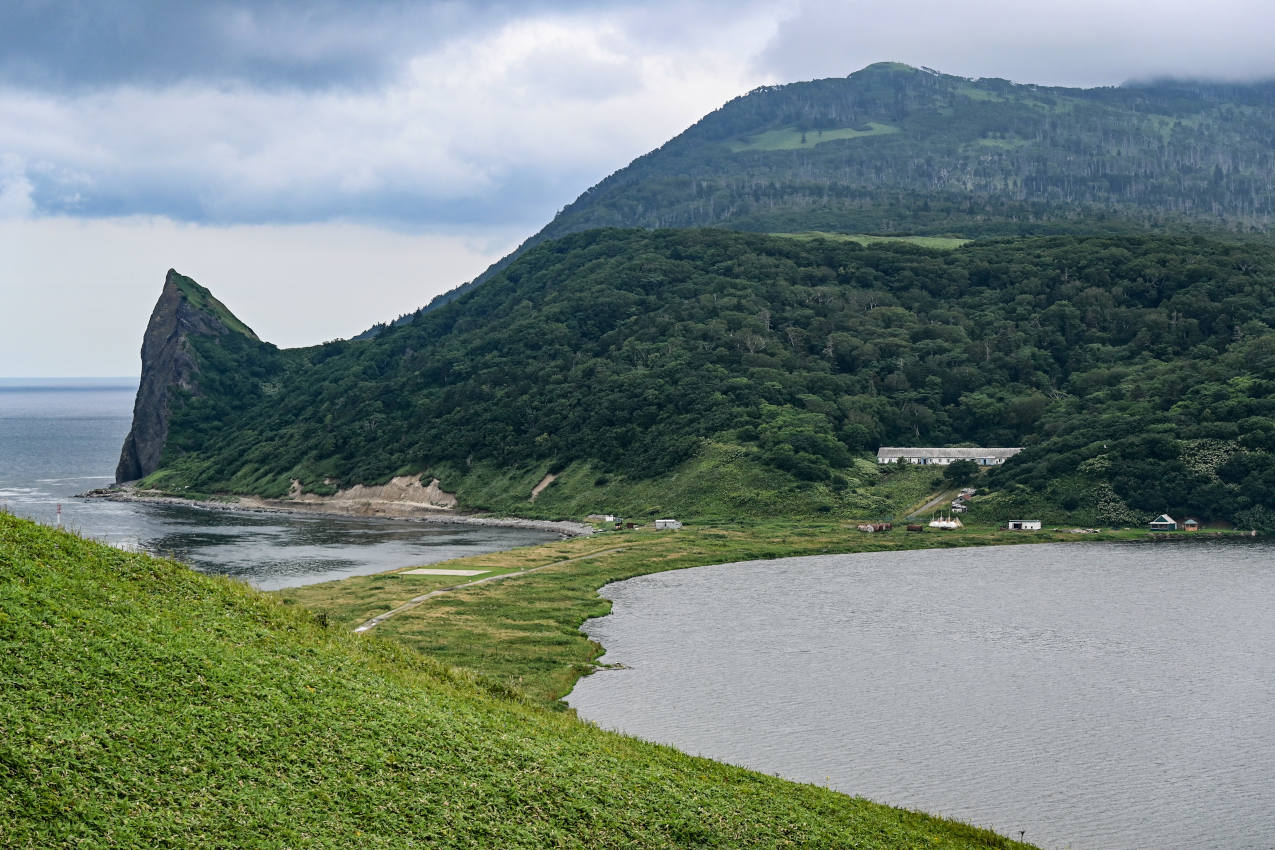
(667, 525)
(1023, 525)
(1191, 525)
(1164, 522)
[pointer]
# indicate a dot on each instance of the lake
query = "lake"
(60, 437)
(1091, 695)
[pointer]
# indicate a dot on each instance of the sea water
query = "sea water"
(62, 437)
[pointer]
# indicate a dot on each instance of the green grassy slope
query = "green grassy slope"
(722, 481)
(145, 705)
(794, 138)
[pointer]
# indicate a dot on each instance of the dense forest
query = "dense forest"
(896, 149)
(1137, 371)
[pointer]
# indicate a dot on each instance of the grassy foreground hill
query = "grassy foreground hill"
(145, 705)
(717, 374)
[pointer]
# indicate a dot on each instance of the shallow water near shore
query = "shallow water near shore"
(1091, 695)
(60, 437)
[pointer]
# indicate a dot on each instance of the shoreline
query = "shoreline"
(475, 635)
(367, 509)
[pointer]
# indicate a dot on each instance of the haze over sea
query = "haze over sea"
(62, 436)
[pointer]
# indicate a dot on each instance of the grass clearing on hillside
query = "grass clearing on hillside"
(793, 138)
(147, 705)
(723, 482)
(942, 243)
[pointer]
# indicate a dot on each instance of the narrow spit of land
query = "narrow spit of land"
(526, 633)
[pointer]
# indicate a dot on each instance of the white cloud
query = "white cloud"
(77, 293)
(15, 189)
(469, 150)
(1056, 42)
(481, 129)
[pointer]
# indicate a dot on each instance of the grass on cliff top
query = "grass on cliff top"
(146, 705)
(203, 299)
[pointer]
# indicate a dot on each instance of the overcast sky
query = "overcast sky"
(322, 166)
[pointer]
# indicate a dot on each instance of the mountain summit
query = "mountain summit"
(893, 149)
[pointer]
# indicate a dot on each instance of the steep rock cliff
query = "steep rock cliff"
(184, 309)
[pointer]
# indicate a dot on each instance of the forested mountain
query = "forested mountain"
(895, 149)
(734, 369)
(1137, 371)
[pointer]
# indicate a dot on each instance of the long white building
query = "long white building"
(944, 456)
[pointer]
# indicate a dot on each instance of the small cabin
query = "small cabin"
(1164, 522)
(1023, 525)
(1191, 525)
(667, 525)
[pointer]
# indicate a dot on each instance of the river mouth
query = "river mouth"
(1091, 695)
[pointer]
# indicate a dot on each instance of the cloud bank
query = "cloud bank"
(408, 115)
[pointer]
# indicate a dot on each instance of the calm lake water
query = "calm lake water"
(62, 437)
(1095, 696)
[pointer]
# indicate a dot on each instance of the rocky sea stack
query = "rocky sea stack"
(184, 308)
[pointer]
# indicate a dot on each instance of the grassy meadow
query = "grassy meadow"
(794, 138)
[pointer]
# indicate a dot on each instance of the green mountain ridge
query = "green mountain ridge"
(718, 373)
(892, 149)
(636, 364)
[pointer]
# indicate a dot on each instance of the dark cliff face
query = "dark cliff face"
(184, 308)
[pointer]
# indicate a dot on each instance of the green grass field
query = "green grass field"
(146, 705)
(790, 138)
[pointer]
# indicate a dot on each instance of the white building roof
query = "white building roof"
(958, 453)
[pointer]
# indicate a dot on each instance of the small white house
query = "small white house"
(1164, 522)
(667, 525)
(1023, 525)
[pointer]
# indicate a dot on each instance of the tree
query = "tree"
(961, 472)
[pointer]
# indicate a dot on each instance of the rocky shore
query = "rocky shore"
(364, 508)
